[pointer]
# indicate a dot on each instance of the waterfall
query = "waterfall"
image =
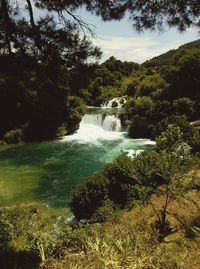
(96, 126)
(108, 123)
(115, 102)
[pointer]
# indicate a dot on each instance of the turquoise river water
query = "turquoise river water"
(46, 172)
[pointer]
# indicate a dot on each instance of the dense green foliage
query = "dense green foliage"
(45, 79)
(40, 60)
(162, 91)
(34, 100)
(44, 60)
(109, 80)
(126, 181)
(34, 237)
(89, 195)
(165, 91)
(154, 187)
(29, 234)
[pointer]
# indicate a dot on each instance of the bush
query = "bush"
(14, 136)
(184, 106)
(31, 230)
(61, 131)
(121, 184)
(176, 120)
(75, 109)
(195, 141)
(140, 127)
(2, 143)
(121, 177)
(107, 211)
(88, 196)
(147, 169)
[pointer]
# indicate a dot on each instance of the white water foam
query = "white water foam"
(108, 122)
(91, 133)
(119, 100)
(95, 128)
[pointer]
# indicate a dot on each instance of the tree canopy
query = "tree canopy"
(148, 14)
(57, 25)
(45, 57)
(52, 36)
(41, 56)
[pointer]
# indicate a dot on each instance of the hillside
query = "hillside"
(167, 58)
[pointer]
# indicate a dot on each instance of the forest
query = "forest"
(140, 212)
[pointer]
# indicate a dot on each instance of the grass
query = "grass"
(130, 241)
(133, 241)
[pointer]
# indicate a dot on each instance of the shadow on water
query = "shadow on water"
(32, 154)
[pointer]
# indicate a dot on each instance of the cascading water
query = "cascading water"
(97, 142)
(115, 102)
(106, 122)
(97, 127)
(112, 123)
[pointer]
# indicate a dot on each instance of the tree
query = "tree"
(183, 75)
(88, 196)
(151, 85)
(173, 155)
(41, 58)
(51, 37)
(142, 14)
(149, 14)
(184, 106)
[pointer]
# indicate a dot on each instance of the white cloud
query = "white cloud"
(136, 49)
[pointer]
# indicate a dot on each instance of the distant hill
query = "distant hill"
(193, 44)
(166, 58)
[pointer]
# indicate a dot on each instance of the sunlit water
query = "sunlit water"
(46, 172)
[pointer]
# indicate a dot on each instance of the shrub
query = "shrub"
(2, 143)
(107, 211)
(140, 127)
(184, 106)
(176, 120)
(61, 131)
(195, 142)
(75, 109)
(14, 136)
(121, 178)
(147, 169)
(30, 230)
(88, 196)
(120, 185)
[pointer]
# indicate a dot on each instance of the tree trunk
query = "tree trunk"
(164, 215)
(35, 30)
(6, 22)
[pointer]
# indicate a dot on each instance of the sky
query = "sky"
(119, 39)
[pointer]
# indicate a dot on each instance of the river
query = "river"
(46, 172)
